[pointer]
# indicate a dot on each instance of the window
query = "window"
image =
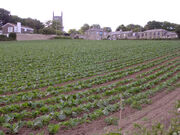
(101, 33)
(15, 29)
(10, 29)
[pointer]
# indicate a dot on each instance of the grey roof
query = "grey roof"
(25, 27)
(116, 32)
(95, 29)
(171, 33)
(120, 32)
(126, 32)
(155, 30)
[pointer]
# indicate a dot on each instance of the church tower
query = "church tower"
(53, 15)
(59, 20)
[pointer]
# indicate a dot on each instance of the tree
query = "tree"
(121, 27)
(84, 28)
(107, 29)
(178, 31)
(33, 23)
(169, 26)
(96, 26)
(14, 19)
(47, 30)
(134, 28)
(153, 25)
(56, 25)
(73, 31)
(4, 16)
(48, 23)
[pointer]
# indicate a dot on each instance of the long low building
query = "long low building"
(99, 34)
(149, 34)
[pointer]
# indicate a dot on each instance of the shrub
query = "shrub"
(4, 38)
(62, 37)
(12, 36)
(1, 133)
(111, 121)
(136, 105)
(53, 129)
(48, 31)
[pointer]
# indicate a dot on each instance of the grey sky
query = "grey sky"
(104, 12)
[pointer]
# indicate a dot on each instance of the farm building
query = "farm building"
(17, 28)
(158, 34)
(149, 34)
(95, 34)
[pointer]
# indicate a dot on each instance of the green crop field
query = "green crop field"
(55, 85)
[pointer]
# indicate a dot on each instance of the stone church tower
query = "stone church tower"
(59, 20)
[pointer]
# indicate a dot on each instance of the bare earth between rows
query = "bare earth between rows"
(161, 110)
(71, 82)
(133, 76)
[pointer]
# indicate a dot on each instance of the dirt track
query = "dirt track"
(161, 110)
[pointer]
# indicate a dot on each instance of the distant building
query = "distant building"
(171, 35)
(17, 28)
(59, 19)
(149, 34)
(95, 34)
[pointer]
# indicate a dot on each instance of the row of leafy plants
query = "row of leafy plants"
(77, 86)
(21, 85)
(106, 107)
(147, 86)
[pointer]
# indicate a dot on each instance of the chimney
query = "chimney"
(18, 27)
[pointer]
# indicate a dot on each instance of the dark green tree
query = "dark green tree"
(4, 16)
(73, 31)
(169, 26)
(153, 25)
(121, 27)
(33, 23)
(84, 28)
(107, 29)
(134, 28)
(96, 26)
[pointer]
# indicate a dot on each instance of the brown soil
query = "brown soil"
(161, 110)
(133, 76)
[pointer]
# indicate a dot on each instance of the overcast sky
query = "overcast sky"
(110, 13)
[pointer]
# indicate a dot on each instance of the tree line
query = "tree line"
(133, 27)
(50, 27)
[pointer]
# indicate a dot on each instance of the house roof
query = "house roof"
(126, 32)
(9, 24)
(24, 27)
(115, 33)
(155, 30)
(171, 33)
